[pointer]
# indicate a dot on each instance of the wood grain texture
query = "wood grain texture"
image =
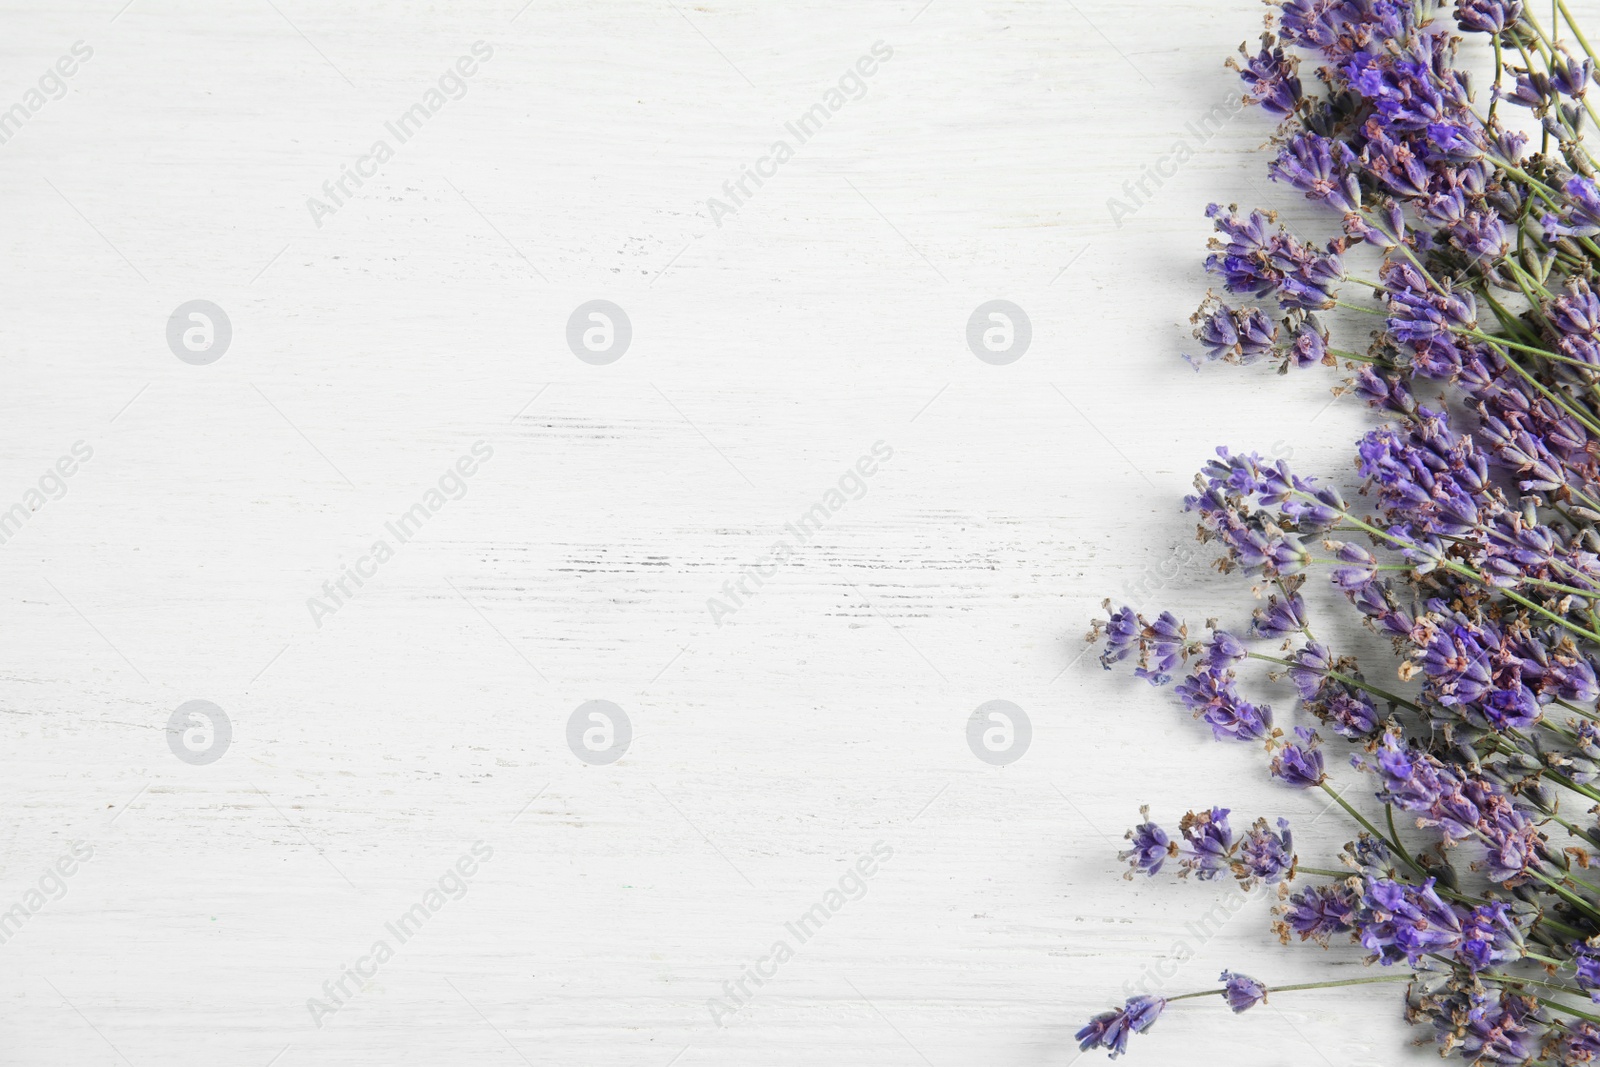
(769, 353)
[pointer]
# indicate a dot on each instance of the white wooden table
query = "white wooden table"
(376, 340)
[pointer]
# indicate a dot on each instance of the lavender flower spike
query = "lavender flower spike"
(1151, 846)
(1109, 1030)
(1242, 991)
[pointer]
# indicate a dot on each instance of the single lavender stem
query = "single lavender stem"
(1302, 985)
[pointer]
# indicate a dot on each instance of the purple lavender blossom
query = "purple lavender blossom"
(1486, 1027)
(1165, 644)
(1580, 1045)
(1208, 843)
(1272, 77)
(1242, 991)
(1398, 922)
(1487, 16)
(1151, 847)
(1235, 335)
(1300, 765)
(1211, 694)
(1265, 856)
(1569, 76)
(1122, 637)
(1109, 1030)
(1317, 912)
(1490, 937)
(1322, 168)
(1580, 216)
(1281, 617)
(1360, 567)
(1252, 255)
(1224, 649)
(1411, 781)
(1349, 711)
(1310, 671)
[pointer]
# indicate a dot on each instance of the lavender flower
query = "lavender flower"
(1281, 617)
(1322, 168)
(1580, 1045)
(1487, 16)
(1122, 636)
(1211, 694)
(1242, 991)
(1318, 912)
(1397, 922)
(1300, 765)
(1109, 1030)
(1151, 847)
(1165, 644)
(1265, 856)
(1254, 256)
(1208, 843)
(1272, 77)
(1348, 710)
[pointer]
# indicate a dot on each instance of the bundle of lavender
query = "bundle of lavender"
(1475, 547)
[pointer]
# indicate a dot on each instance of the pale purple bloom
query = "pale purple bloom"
(1300, 765)
(1265, 856)
(1487, 16)
(1242, 991)
(1151, 848)
(1210, 693)
(1273, 81)
(1281, 617)
(1165, 645)
(1109, 1030)
(1122, 636)
(1320, 911)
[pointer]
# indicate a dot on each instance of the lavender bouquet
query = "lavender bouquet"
(1475, 548)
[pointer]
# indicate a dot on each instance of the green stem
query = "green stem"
(1373, 830)
(1302, 985)
(1357, 307)
(1388, 816)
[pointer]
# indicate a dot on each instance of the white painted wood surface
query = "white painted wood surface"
(769, 352)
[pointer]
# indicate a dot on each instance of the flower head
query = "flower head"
(1265, 856)
(1110, 1029)
(1208, 843)
(1300, 765)
(1151, 847)
(1487, 16)
(1242, 991)
(1317, 912)
(1211, 694)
